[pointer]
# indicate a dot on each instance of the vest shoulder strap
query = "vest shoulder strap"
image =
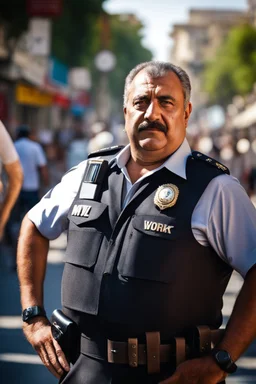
(209, 160)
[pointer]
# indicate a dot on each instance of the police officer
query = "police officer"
(154, 233)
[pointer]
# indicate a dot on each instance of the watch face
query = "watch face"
(223, 357)
(29, 311)
(26, 314)
(225, 362)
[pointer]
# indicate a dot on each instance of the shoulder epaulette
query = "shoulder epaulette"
(200, 156)
(106, 151)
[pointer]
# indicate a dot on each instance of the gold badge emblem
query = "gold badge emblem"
(166, 196)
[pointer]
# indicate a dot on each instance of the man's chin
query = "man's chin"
(149, 144)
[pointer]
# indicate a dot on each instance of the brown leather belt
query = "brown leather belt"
(134, 354)
(152, 353)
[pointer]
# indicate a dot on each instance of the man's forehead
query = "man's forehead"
(143, 80)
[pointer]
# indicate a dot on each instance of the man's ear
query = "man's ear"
(125, 110)
(187, 113)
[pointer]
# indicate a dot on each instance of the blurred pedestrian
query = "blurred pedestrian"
(11, 164)
(77, 150)
(101, 137)
(34, 164)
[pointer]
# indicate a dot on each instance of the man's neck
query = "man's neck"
(137, 169)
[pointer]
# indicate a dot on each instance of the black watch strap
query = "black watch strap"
(224, 361)
(33, 311)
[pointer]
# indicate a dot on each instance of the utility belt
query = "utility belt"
(196, 342)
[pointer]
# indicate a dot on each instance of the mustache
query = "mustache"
(152, 125)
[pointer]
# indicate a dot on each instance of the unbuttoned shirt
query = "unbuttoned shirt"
(224, 217)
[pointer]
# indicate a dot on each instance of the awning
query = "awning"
(28, 95)
(246, 118)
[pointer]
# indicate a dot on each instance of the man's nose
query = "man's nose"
(153, 111)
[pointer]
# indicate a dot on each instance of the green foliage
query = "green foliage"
(127, 46)
(232, 71)
(73, 31)
(78, 35)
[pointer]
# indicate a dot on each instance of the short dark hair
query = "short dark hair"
(23, 131)
(159, 69)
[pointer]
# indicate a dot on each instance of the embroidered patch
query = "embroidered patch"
(157, 227)
(81, 210)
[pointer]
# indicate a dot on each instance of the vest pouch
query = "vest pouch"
(147, 250)
(85, 236)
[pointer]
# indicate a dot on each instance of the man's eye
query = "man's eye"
(140, 103)
(167, 102)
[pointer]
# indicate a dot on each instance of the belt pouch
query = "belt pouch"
(65, 331)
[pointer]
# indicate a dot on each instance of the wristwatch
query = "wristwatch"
(224, 361)
(31, 312)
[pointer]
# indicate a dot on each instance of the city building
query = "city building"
(196, 41)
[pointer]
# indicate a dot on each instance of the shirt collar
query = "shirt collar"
(176, 163)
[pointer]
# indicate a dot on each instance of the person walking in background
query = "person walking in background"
(12, 167)
(34, 164)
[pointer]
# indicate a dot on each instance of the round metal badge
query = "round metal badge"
(166, 196)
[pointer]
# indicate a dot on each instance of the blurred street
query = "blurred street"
(19, 364)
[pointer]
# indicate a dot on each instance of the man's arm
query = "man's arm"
(241, 327)
(32, 260)
(240, 332)
(15, 177)
(44, 174)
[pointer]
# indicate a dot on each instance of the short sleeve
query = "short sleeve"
(8, 153)
(41, 158)
(225, 219)
(50, 214)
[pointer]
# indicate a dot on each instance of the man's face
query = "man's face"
(155, 118)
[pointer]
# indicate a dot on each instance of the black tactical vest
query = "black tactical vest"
(141, 266)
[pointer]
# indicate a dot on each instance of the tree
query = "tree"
(128, 48)
(232, 71)
(73, 32)
(124, 35)
(121, 34)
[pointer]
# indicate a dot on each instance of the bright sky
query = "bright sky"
(158, 16)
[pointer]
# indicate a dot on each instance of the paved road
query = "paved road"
(19, 364)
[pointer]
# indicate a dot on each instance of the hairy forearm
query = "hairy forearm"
(31, 261)
(241, 328)
(15, 178)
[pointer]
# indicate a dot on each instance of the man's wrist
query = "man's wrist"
(223, 359)
(32, 312)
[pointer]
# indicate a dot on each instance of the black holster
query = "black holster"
(66, 332)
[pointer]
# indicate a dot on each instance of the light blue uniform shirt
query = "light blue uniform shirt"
(223, 218)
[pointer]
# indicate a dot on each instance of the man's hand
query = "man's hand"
(197, 371)
(38, 333)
